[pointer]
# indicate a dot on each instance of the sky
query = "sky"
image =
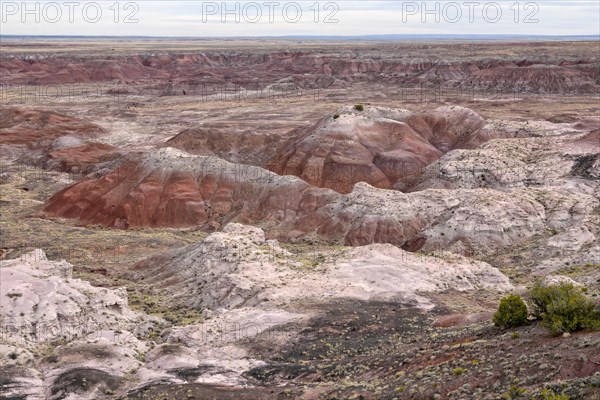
(298, 18)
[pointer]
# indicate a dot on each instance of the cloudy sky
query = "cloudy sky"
(284, 18)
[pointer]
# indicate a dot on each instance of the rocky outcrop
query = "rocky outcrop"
(550, 158)
(41, 302)
(238, 267)
(248, 286)
(41, 305)
(245, 285)
(558, 172)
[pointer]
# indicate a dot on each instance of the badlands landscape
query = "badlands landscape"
(295, 219)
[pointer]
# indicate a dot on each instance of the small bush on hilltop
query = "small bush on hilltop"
(511, 313)
(563, 308)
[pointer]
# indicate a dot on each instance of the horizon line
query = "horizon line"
(366, 36)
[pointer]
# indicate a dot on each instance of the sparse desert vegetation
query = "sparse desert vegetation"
(564, 308)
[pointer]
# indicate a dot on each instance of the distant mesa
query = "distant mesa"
(177, 74)
(535, 79)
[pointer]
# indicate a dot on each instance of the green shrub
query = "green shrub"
(511, 313)
(514, 393)
(549, 395)
(459, 371)
(336, 116)
(359, 107)
(563, 308)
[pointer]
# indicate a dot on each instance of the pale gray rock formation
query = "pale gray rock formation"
(248, 285)
(41, 307)
(239, 268)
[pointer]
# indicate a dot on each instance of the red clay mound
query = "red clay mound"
(52, 141)
(248, 146)
(37, 129)
(169, 188)
(591, 140)
(383, 147)
(172, 188)
(80, 159)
